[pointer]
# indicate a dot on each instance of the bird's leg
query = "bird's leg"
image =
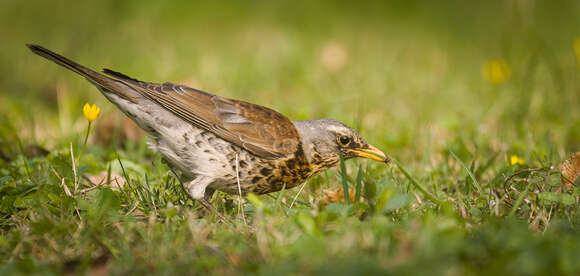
(196, 189)
(208, 193)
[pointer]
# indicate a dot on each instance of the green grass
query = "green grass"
(406, 74)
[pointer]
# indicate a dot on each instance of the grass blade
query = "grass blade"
(475, 183)
(359, 177)
(519, 201)
(419, 186)
(344, 180)
(280, 195)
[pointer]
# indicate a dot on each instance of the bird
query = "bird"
(224, 144)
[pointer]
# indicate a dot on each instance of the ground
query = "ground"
(476, 103)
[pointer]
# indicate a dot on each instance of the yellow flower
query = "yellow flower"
(496, 71)
(516, 160)
(577, 48)
(91, 112)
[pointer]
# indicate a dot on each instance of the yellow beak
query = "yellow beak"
(371, 152)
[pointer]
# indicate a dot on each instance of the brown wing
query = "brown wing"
(260, 130)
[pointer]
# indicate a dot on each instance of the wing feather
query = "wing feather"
(260, 130)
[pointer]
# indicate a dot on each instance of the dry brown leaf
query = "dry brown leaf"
(117, 181)
(337, 195)
(570, 169)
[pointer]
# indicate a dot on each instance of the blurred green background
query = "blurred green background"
(393, 69)
(422, 80)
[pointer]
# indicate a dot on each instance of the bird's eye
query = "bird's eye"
(344, 140)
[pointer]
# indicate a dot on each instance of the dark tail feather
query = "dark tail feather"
(121, 76)
(100, 80)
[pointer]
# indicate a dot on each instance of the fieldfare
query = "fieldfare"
(225, 144)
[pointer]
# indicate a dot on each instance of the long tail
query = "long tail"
(103, 82)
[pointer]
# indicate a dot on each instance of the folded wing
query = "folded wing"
(260, 130)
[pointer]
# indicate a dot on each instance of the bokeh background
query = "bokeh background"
(429, 82)
(396, 70)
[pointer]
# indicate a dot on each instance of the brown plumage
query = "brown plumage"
(570, 169)
(225, 144)
(258, 129)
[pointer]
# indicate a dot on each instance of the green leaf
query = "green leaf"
(338, 209)
(23, 202)
(398, 201)
(4, 180)
(307, 223)
(170, 212)
(384, 198)
(106, 206)
(255, 200)
(370, 191)
(552, 197)
(567, 199)
(475, 212)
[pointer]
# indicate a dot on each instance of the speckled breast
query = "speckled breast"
(262, 176)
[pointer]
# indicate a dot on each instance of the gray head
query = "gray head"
(326, 139)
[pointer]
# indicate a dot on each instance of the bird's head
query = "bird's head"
(326, 139)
